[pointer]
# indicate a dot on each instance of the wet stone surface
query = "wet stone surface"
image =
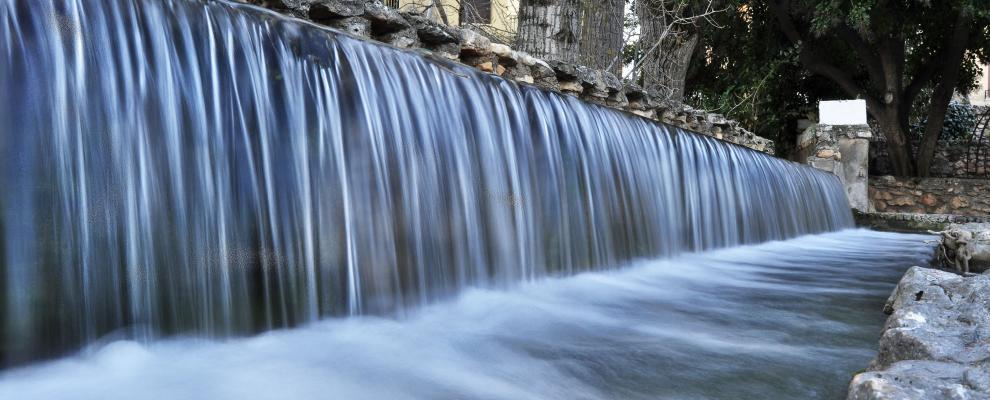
(936, 343)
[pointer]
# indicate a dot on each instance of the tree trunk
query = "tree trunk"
(893, 125)
(664, 69)
(601, 37)
(674, 68)
(933, 129)
(550, 29)
(942, 96)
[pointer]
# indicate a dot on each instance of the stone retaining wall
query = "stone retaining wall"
(373, 20)
(968, 197)
(912, 223)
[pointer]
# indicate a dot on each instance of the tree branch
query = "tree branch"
(870, 58)
(936, 63)
(678, 21)
(809, 56)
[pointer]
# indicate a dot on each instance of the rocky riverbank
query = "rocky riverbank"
(936, 343)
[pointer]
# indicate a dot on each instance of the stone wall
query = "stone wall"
(373, 20)
(913, 223)
(957, 196)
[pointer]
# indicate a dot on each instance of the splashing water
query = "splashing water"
(782, 320)
(198, 167)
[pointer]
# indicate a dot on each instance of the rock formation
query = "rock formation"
(936, 343)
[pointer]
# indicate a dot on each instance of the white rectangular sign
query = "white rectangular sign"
(842, 112)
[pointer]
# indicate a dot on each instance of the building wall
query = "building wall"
(981, 96)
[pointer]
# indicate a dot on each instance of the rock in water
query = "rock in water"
(936, 343)
(965, 247)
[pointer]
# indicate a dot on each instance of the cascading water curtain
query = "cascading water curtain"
(190, 166)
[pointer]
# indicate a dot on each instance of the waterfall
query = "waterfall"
(215, 169)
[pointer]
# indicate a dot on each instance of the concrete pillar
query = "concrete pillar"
(840, 144)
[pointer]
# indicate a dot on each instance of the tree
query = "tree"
(601, 35)
(747, 69)
(550, 29)
(887, 52)
(668, 40)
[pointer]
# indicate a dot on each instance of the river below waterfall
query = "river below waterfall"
(788, 319)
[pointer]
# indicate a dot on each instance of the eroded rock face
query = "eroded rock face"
(936, 343)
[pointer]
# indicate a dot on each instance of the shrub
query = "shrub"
(960, 119)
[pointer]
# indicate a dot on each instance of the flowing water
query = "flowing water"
(782, 320)
(200, 168)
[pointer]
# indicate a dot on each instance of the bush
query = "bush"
(960, 120)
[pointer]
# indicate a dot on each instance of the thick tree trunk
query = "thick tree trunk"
(664, 69)
(550, 29)
(942, 96)
(893, 126)
(674, 68)
(601, 37)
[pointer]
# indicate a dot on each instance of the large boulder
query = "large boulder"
(474, 44)
(922, 380)
(936, 343)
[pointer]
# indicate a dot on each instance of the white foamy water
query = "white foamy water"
(790, 319)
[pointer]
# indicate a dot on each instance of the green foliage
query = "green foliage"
(825, 16)
(859, 15)
(751, 73)
(960, 120)
(748, 69)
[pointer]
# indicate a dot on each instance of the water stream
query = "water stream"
(782, 320)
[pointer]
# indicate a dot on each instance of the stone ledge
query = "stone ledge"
(911, 222)
(371, 19)
(936, 343)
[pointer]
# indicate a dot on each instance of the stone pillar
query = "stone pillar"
(840, 144)
(854, 147)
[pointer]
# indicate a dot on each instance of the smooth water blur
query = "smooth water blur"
(174, 167)
(782, 320)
